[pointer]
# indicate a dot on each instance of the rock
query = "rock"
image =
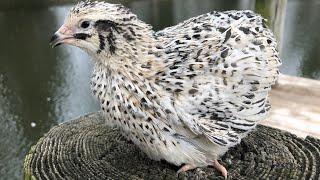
(87, 148)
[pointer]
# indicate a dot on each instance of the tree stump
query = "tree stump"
(86, 148)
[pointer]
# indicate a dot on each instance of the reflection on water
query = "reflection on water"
(43, 87)
(46, 86)
(70, 90)
(301, 40)
(11, 139)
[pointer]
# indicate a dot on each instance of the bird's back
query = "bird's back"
(219, 67)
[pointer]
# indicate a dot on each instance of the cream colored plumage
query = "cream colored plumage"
(186, 93)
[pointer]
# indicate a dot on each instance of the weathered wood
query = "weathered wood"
(86, 148)
(295, 106)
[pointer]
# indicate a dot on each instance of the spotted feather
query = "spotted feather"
(186, 93)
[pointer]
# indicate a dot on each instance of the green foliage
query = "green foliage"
(262, 7)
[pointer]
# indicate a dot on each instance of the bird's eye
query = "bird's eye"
(85, 24)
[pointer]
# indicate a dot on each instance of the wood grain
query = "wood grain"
(86, 148)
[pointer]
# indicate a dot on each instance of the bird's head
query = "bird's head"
(100, 28)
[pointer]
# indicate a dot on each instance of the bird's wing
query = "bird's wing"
(220, 67)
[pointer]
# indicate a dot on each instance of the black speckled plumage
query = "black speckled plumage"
(188, 92)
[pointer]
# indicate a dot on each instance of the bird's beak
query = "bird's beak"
(64, 35)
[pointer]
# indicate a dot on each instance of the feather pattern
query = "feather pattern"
(224, 64)
(188, 92)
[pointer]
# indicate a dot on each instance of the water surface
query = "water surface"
(41, 87)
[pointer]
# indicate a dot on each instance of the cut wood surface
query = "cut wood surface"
(86, 148)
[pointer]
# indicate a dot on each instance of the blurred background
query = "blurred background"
(41, 87)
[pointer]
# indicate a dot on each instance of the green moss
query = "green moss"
(262, 7)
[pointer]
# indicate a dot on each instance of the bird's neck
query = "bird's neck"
(140, 57)
(132, 61)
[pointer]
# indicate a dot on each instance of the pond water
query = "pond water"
(41, 87)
